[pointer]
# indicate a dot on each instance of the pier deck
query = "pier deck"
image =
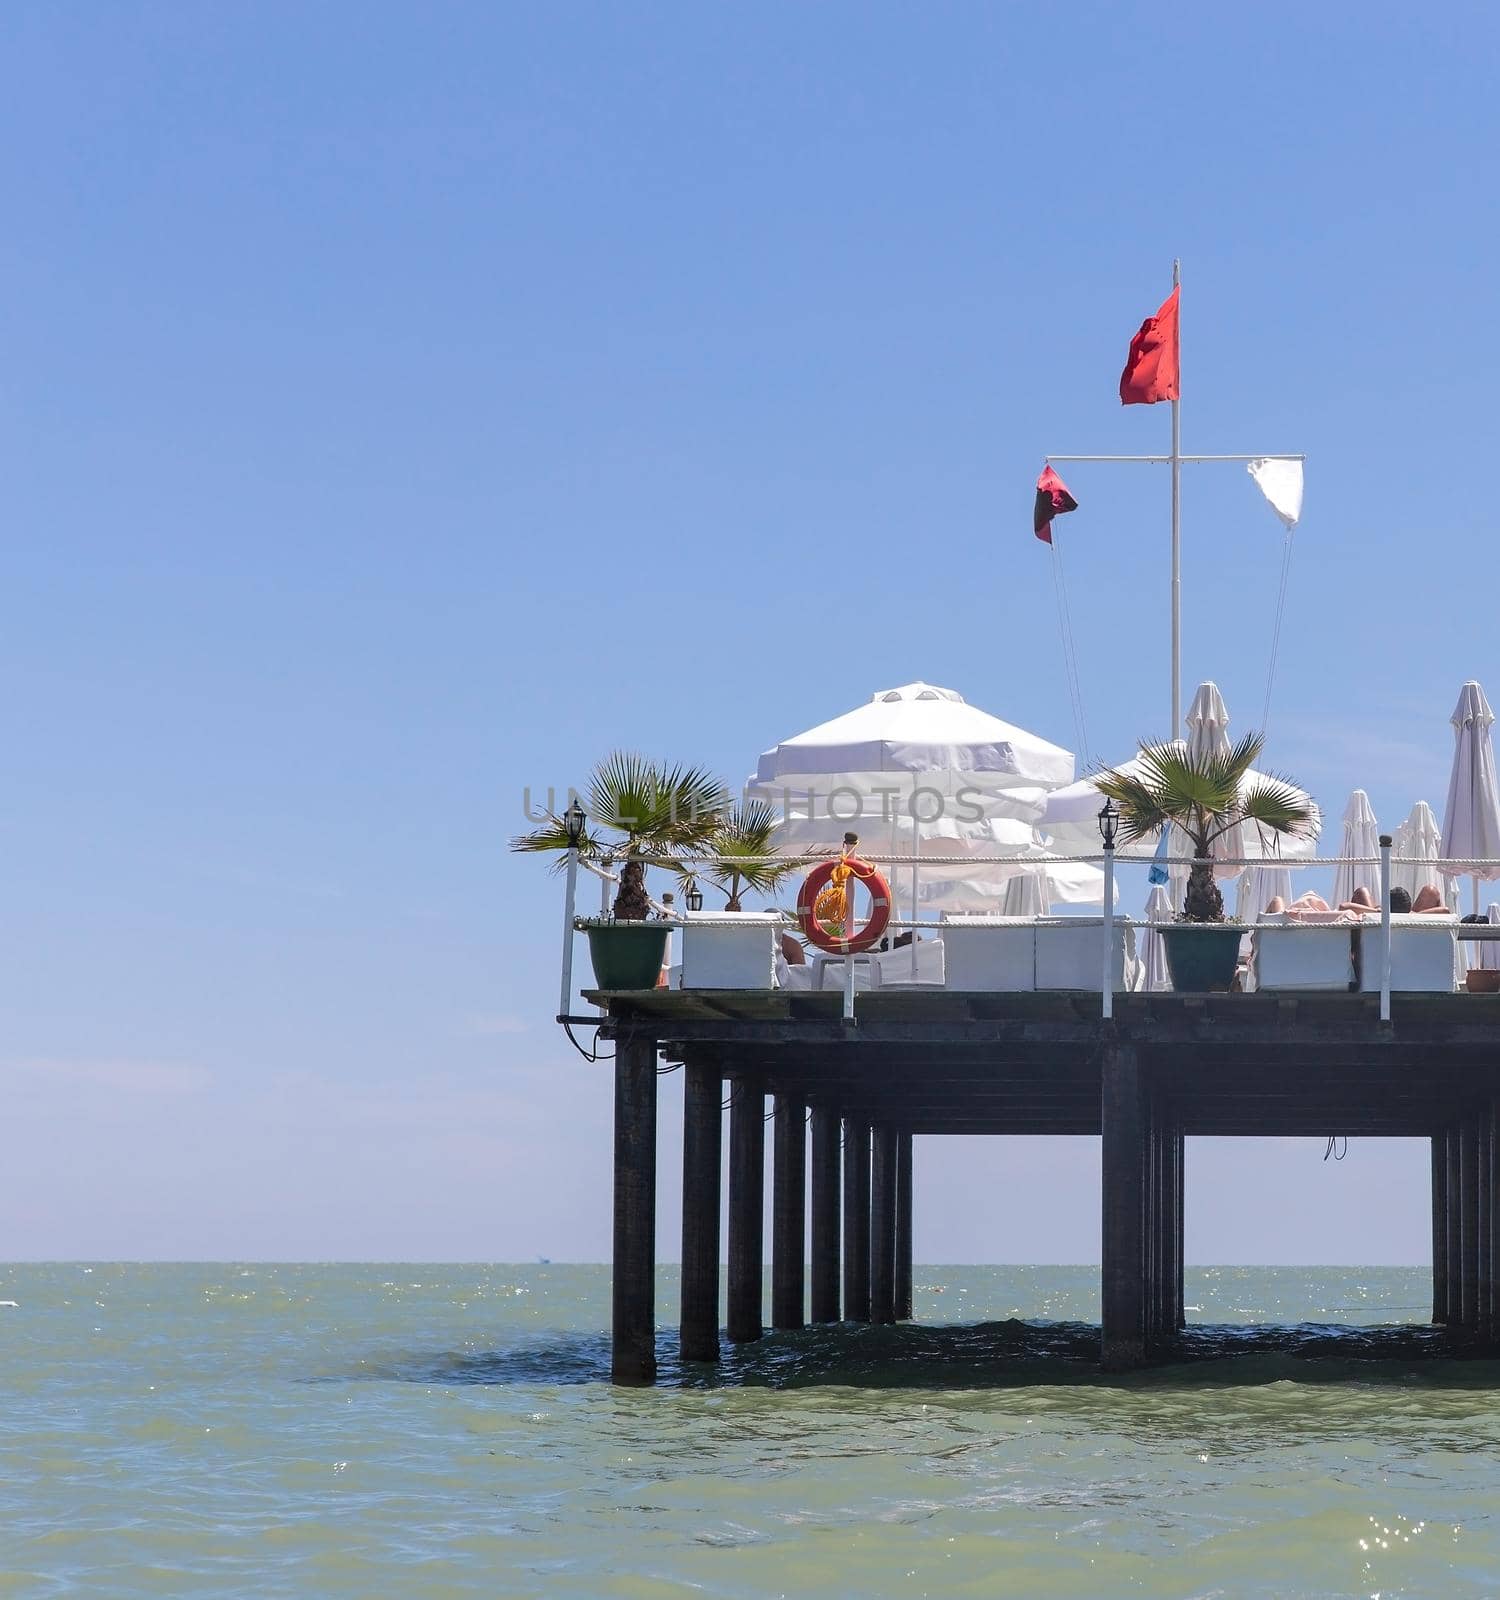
(915, 1062)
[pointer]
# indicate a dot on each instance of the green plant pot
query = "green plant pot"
(627, 955)
(1201, 956)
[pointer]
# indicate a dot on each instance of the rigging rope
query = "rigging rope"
(1070, 651)
(1286, 567)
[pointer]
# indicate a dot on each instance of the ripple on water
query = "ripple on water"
(384, 1431)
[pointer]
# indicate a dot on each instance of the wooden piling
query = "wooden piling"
(702, 1155)
(1122, 1123)
(1179, 1226)
(1439, 1228)
(1485, 1290)
(1469, 1221)
(856, 1220)
(747, 1183)
(788, 1212)
(1491, 1220)
(633, 1288)
(883, 1225)
(826, 1183)
(903, 1228)
(1453, 1212)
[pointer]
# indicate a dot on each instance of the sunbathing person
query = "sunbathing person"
(1429, 903)
(1361, 902)
(1400, 902)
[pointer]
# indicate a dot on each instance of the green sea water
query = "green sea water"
(448, 1430)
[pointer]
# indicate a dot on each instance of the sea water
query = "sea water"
(449, 1430)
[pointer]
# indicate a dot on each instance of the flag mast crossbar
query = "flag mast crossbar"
(1265, 455)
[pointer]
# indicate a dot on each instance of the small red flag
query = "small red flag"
(1052, 500)
(1151, 371)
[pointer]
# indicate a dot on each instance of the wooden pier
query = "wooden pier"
(928, 1063)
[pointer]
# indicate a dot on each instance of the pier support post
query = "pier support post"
(1123, 1154)
(1165, 1222)
(1489, 1221)
(1155, 1220)
(1439, 1227)
(747, 1185)
(1453, 1248)
(788, 1213)
(1469, 1220)
(1179, 1226)
(903, 1227)
(1484, 1293)
(633, 1285)
(883, 1226)
(826, 1181)
(856, 1220)
(702, 1154)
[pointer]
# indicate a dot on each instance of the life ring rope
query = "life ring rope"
(825, 905)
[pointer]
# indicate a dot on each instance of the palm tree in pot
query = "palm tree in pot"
(744, 849)
(639, 812)
(1204, 795)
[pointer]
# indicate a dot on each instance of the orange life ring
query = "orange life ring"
(831, 878)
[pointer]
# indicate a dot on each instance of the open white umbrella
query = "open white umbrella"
(1070, 825)
(1471, 820)
(977, 885)
(922, 750)
(1419, 837)
(917, 769)
(1155, 978)
(1361, 837)
(1060, 883)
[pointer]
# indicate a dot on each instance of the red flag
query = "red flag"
(1052, 500)
(1151, 371)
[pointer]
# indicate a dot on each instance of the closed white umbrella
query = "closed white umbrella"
(1070, 825)
(1420, 837)
(1155, 978)
(1361, 837)
(1258, 887)
(1471, 820)
(1208, 737)
(1026, 896)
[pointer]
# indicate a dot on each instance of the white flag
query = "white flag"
(1280, 481)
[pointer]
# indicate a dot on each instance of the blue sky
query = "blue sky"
(399, 408)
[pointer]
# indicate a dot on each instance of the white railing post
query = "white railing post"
(1385, 927)
(1109, 930)
(565, 1002)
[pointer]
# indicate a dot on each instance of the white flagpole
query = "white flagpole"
(1177, 530)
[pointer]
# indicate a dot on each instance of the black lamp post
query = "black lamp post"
(694, 896)
(573, 821)
(1109, 821)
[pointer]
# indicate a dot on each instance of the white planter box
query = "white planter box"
(988, 954)
(723, 957)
